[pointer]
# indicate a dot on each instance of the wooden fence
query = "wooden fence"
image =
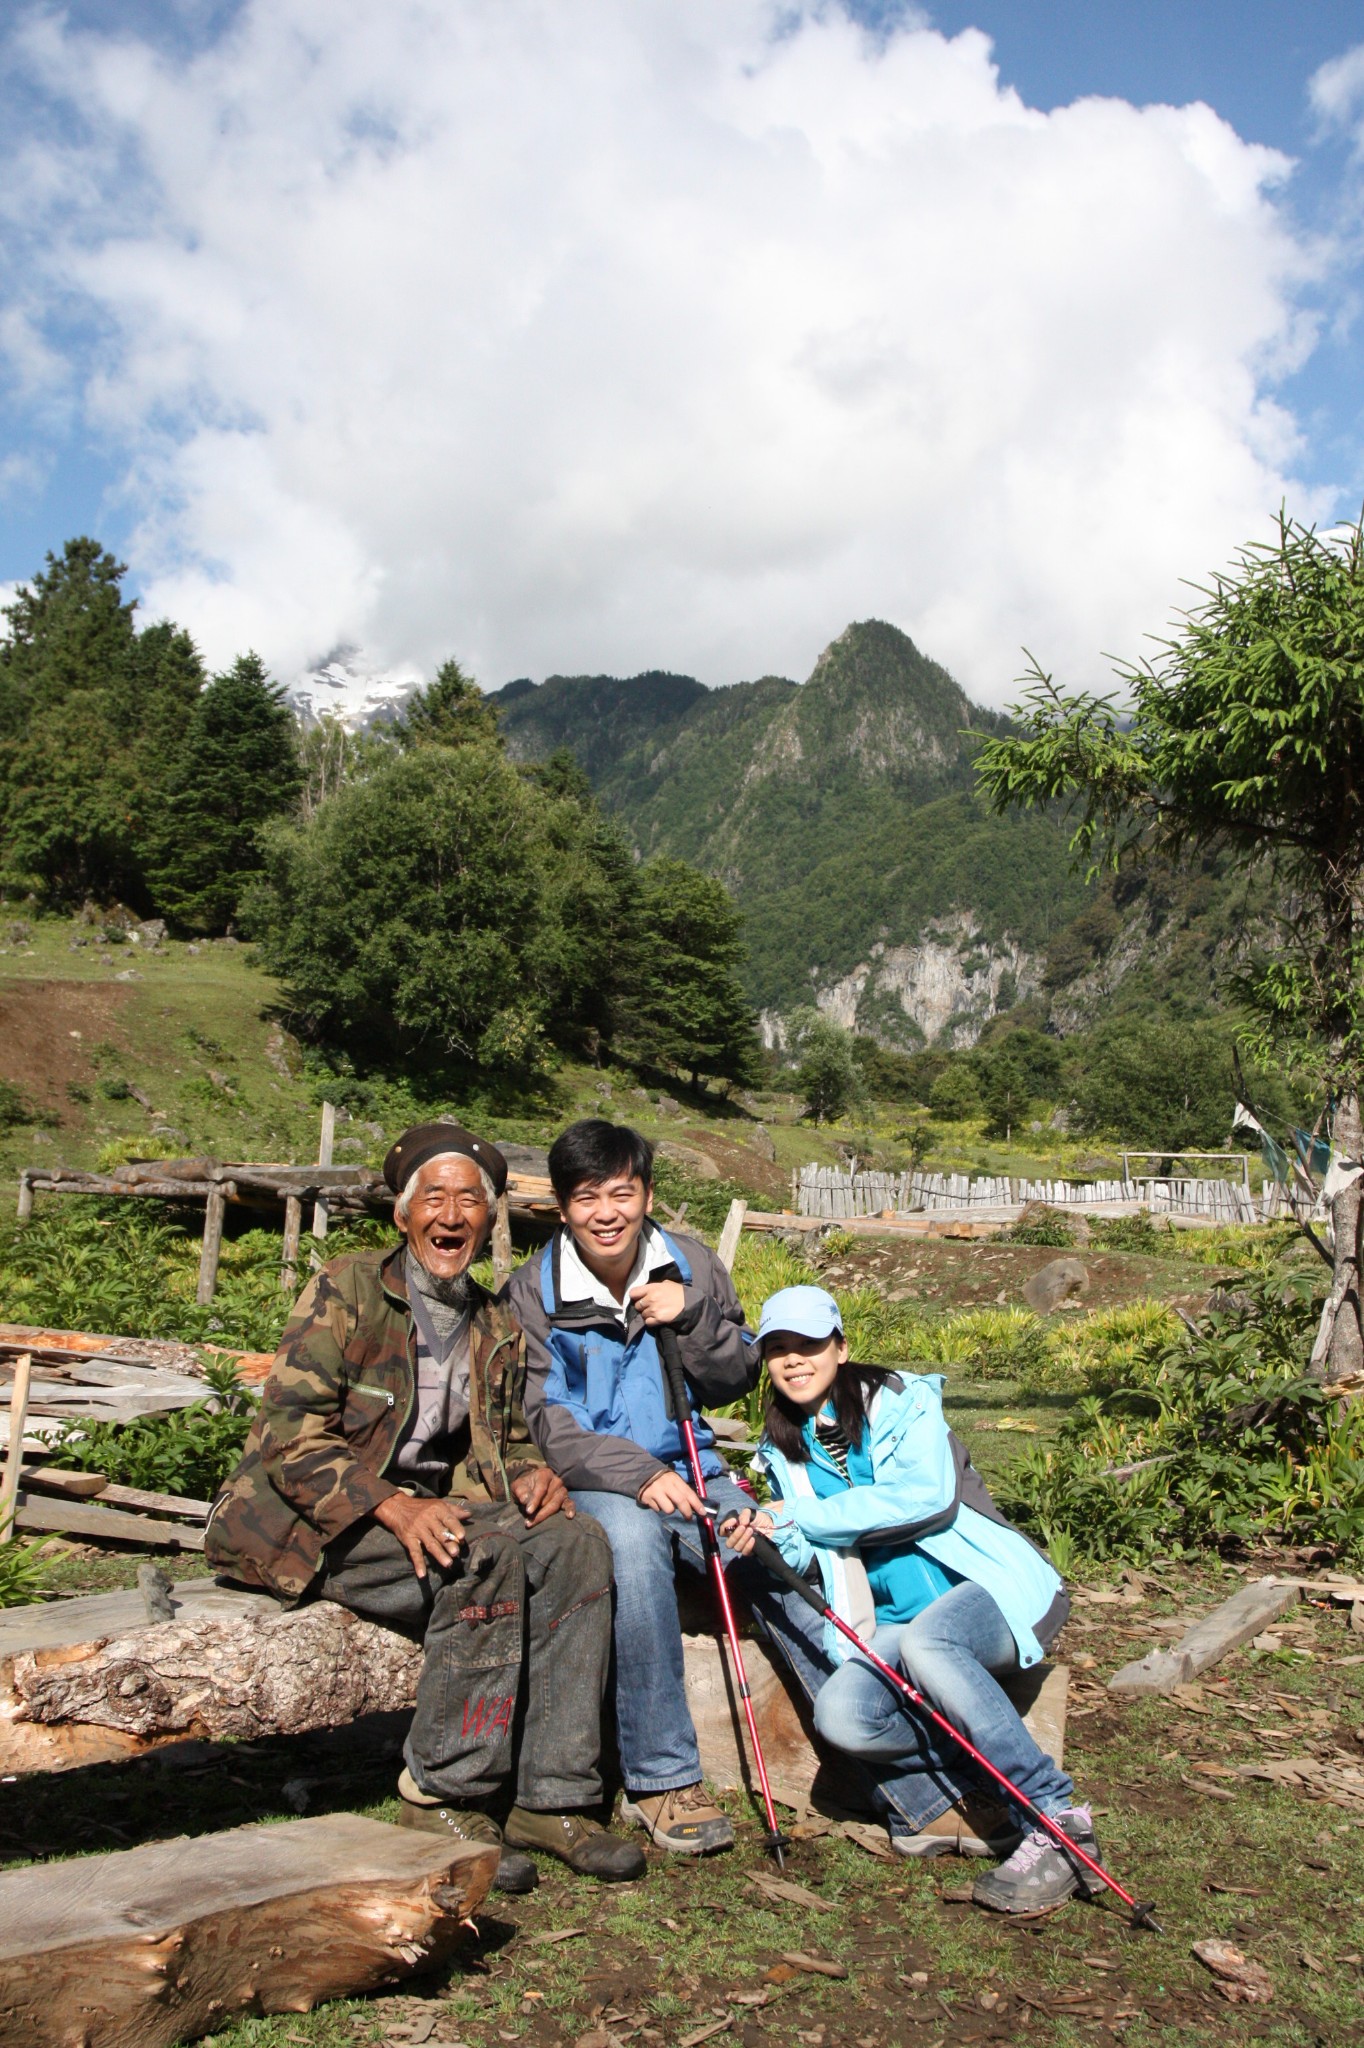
(832, 1192)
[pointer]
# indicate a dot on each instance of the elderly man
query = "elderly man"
(390, 1469)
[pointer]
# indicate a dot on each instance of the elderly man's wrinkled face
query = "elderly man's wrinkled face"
(448, 1216)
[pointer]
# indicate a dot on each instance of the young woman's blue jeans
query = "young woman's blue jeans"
(951, 1653)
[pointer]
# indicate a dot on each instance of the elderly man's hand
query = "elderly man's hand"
(540, 1494)
(425, 1528)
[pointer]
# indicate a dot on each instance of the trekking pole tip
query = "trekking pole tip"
(1145, 1916)
(775, 1844)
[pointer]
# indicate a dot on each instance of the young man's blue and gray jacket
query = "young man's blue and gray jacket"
(596, 1399)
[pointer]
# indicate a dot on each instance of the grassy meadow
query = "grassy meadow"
(1171, 1356)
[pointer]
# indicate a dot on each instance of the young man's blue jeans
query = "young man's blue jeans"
(654, 1731)
(950, 1653)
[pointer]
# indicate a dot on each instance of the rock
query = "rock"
(763, 1143)
(128, 974)
(691, 1159)
(529, 1159)
(1059, 1280)
(1059, 1120)
(192, 948)
(669, 1107)
(150, 932)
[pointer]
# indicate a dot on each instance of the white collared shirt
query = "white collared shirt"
(577, 1282)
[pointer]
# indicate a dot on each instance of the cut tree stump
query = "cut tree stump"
(152, 1946)
(1225, 1629)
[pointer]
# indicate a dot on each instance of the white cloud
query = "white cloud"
(611, 334)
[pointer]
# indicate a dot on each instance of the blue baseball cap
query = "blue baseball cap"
(805, 1311)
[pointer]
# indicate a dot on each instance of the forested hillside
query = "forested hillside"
(840, 814)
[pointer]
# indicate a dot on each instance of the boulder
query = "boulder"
(763, 1143)
(1059, 1280)
(528, 1159)
(691, 1159)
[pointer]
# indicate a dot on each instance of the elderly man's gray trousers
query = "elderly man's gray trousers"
(517, 1636)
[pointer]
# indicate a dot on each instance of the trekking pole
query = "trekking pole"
(771, 1558)
(775, 1841)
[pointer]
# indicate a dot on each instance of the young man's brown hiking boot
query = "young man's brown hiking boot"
(972, 1827)
(687, 1821)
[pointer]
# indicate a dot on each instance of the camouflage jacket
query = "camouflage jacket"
(335, 1405)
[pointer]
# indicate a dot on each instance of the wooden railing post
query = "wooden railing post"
(325, 1144)
(211, 1250)
(293, 1227)
(14, 1463)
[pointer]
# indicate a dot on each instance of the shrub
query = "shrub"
(1241, 1446)
(1043, 1226)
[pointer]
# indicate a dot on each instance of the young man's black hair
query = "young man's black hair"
(594, 1150)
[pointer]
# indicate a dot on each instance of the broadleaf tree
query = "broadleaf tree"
(1245, 733)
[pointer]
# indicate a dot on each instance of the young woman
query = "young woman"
(873, 1491)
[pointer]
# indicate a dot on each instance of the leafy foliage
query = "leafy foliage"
(410, 910)
(1241, 1446)
(188, 1452)
(23, 1574)
(828, 1074)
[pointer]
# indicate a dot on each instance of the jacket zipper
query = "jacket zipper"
(377, 1393)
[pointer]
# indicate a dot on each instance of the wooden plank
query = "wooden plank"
(502, 1244)
(730, 1235)
(62, 1624)
(14, 1460)
(1218, 1633)
(106, 1525)
(81, 1486)
(151, 1946)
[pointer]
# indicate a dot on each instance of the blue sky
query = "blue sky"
(230, 222)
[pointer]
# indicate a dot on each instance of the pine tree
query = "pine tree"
(450, 712)
(90, 713)
(682, 1004)
(237, 766)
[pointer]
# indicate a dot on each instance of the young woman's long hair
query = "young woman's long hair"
(851, 1394)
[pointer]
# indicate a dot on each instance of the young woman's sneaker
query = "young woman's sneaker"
(1039, 1874)
(686, 1821)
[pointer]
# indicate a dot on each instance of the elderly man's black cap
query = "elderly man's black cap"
(424, 1142)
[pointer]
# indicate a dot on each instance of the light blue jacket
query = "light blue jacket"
(925, 1491)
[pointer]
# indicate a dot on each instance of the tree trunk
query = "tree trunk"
(1338, 1353)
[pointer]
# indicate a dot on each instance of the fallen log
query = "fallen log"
(1225, 1629)
(147, 1947)
(253, 1670)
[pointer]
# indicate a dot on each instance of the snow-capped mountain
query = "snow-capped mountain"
(348, 686)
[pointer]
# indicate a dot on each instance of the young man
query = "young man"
(597, 1406)
(389, 1469)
